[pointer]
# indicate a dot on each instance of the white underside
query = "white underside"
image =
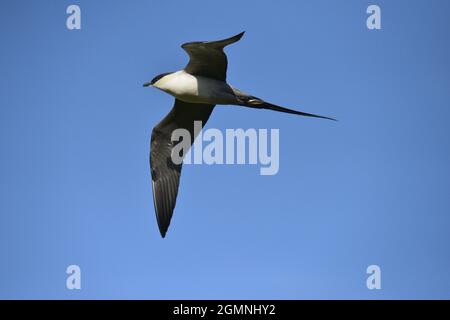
(196, 89)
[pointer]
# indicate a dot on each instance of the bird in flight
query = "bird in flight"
(197, 89)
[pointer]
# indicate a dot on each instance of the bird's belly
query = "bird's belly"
(193, 89)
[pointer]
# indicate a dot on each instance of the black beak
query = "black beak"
(147, 84)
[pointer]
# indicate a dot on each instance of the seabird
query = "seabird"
(197, 89)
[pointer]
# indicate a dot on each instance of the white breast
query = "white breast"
(196, 89)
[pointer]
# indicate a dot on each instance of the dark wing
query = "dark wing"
(208, 59)
(165, 173)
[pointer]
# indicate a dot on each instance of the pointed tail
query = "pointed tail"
(259, 104)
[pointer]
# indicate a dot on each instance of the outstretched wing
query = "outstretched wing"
(208, 59)
(165, 173)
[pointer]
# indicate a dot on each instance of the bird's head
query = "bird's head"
(156, 79)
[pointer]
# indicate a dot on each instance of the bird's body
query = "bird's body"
(197, 89)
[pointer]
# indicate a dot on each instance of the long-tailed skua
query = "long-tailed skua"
(197, 89)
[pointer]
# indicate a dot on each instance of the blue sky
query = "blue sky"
(372, 188)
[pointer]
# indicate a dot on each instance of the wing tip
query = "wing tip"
(162, 226)
(240, 35)
(222, 43)
(233, 39)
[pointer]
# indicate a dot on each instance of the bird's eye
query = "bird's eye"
(155, 79)
(158, 77)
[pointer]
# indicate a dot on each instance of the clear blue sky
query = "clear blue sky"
(372, 188)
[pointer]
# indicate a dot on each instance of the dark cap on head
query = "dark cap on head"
(155, 79)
